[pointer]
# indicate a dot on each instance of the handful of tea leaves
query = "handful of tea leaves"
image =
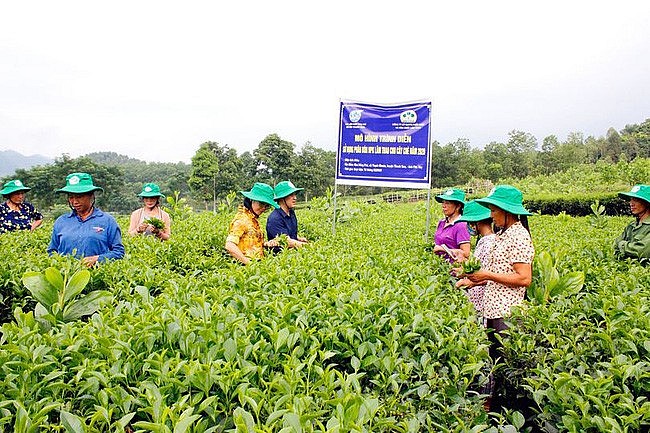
(471, 265)
(157, 223)
(283, 240)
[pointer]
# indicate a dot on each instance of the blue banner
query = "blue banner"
(384, 145)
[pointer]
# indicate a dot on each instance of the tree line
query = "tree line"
(457, 163)
(217, 170)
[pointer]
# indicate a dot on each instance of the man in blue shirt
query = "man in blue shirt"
(283, 219)
(86, 232)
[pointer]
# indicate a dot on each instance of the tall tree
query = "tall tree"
(274, 157)
(522, 147)
(314, 170)
(613, 145)
(636, 138)
(204, 172)
(442, 165)
(546, 159)
(498, 161)
(229, 171)
(248, 174)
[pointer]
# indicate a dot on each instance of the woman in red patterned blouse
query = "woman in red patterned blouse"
(508, 270)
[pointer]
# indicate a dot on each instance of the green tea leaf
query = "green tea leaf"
(72, 423)
(573, 282)
(76, 284)
(292, 420)
(86, 305)
(229, 349)
(244, 421)
(54, 277)
(185, 421)
(40, 288)
(518, 420)
(125, 420)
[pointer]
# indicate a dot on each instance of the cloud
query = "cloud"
(155, 79)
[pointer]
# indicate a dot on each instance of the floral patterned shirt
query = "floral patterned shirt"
(21, 219)
(246, 233)
(514, 245)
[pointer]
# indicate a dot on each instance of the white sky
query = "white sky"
(155, 79)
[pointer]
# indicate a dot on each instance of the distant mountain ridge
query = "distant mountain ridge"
(10, 161)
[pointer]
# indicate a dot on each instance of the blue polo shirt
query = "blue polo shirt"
(99, 235)
(280, 223)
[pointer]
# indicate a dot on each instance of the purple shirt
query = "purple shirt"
(451, 235)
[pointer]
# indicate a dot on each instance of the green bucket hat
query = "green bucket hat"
(452, 194)
(641, 192)
(79, 183)
(150, 190)
(474, 212)
(284, 189)
(505, 197)
(261, 192)
(13, 186)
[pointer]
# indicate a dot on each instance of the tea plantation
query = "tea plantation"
(358, 332)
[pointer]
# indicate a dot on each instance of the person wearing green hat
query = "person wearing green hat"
(283, 220)
(479, 223)
(87, 232)
(634, 242)
(15, 212)
(142, 219)
(245, 240)
(508, 269)
(451, 239)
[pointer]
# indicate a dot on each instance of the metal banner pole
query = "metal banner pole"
(334, 216)
(426, 233)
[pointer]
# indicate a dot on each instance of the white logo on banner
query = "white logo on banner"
(355, 115)
(408, 116)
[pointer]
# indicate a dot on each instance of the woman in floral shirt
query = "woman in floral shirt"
(508, 269)
(245, 240)
(479, 223)
(15, 212)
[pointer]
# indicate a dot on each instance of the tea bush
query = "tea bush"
(360, 332)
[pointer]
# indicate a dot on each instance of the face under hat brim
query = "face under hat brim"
(260, 198)
(515, 209)
(474, 212)
(286, 193)
(11, 190)
(629, 195)
(441, 198)
(80, 189)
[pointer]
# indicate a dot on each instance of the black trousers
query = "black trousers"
(495, 326)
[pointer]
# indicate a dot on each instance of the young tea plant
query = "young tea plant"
(58, 295)
(547, 281)
(597, 219)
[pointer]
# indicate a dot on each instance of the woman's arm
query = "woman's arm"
(36, 223)
(522, 277)
(234, 251)
(133, 223)
(464, 250)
